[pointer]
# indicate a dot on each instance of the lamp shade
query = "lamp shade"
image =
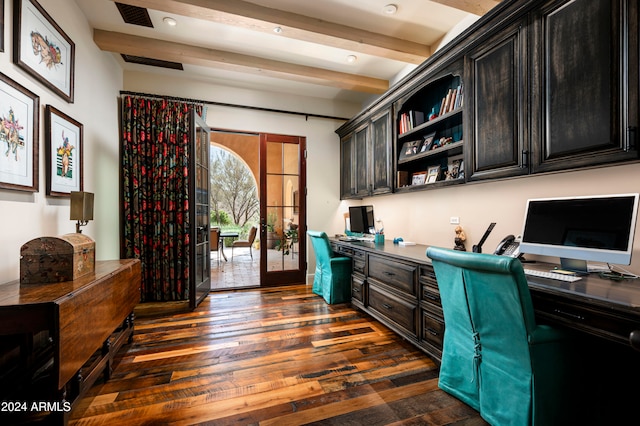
(81, 206)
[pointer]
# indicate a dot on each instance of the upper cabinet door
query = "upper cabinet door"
(360, 161)
(585, 87)
(381, 153)
(496, 116)
(347, 186)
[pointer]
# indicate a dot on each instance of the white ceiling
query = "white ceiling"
(420, 21)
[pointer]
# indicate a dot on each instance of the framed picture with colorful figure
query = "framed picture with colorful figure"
(19, 126)
(42, 49)
(64, 153)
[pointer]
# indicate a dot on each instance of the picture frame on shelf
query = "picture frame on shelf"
(455, 168)
(19, 127)
(433, 174)
(64, 153)
(427, 142)
(418, 178)
(43, 49)
(409, 149)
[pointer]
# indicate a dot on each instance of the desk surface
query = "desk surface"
(598, 306)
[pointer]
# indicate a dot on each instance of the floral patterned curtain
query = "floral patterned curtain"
(155, 176)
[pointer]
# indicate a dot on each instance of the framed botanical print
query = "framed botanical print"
(19, 124)
(64, 153)
(1, 25)
(42, 48)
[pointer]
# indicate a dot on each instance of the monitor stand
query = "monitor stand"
(574, 265)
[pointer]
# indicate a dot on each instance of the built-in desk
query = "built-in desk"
(600, 307)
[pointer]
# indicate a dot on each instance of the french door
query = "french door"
(200, 271)
(282, 209)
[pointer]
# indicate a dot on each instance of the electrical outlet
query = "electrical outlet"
(454, 220)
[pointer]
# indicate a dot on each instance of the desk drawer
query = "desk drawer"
(358, 288)
(432, 330)
(395, 309)
(399, 275)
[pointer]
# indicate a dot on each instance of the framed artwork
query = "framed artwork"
(19, 125)
(427, 142)
(42, 49)
(1, 25)
(64, 153)
(433, 174)
(409, 149)
(418, 178)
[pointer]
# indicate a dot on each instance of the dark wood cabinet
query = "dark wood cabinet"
(497, 79)
(389, 283)
(347, 185)
(365, 158)
(585, 83)
(547, 86)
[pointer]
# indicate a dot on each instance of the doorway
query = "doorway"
(279, 250)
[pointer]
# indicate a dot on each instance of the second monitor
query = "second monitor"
(362, 219)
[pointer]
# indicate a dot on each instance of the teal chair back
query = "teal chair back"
(332, 279)
(495, 357)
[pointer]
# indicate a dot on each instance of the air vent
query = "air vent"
(152, 62)
(135, 15)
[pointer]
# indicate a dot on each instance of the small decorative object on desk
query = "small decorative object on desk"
(460, 239)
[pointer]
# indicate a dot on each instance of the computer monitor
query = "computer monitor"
(361, 218)
(597, 228)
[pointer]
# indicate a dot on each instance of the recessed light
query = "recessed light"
(277, 30)
(390, 9)
(170, 21)
(352, 58)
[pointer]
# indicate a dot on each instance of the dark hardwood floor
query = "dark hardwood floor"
(277, 356)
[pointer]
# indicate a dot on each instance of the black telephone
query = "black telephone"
(509, 246)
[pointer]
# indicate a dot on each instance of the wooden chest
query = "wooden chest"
(56, 259)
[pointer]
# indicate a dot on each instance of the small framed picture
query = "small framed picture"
(433, 174)
(427, 142)
(409, 149)
(64, 153)
(418, 178)
(19, 124)
(42, 48)
(455, 169)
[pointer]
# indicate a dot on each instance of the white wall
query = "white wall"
(98, 79)
(424, 216)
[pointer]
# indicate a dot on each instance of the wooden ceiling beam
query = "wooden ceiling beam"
(177, 52)
(477, 7)
(259, 18)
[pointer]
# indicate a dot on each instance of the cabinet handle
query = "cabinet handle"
(429, 296)
(432, 331)
(386, 306)
(525, 159)
(356, 290)
(570, 315)
(389, 274)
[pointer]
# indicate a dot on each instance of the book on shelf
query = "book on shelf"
(410, 119)
(452, 100)
(402, 178)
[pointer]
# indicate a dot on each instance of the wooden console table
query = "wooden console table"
(66, 333)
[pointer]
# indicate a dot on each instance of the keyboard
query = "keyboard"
(551, 275)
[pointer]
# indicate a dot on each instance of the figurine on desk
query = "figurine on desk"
(460, 239)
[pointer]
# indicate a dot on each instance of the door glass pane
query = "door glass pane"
(282, 221)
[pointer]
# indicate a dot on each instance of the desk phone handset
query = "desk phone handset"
(509, 246)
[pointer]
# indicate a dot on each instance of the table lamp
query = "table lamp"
(81, 208)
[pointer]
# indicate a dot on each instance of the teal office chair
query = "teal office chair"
(495, 357)
(332, 278)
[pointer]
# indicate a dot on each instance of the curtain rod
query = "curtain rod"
(200, 101)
